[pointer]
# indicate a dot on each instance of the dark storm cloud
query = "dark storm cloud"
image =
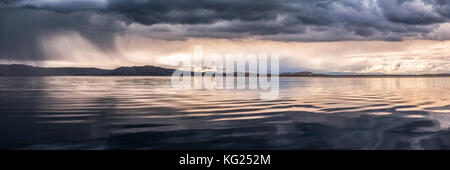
(197, 11)
(22, 29)
(24, 22)
(412, 12)
(357, 19)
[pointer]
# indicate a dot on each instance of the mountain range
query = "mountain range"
(26, 70)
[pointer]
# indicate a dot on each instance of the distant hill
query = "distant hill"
(25, 70)
(303, 73)
(141, 71)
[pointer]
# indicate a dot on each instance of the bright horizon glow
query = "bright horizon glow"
(69, 49)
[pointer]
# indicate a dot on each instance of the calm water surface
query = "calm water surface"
(145, 113)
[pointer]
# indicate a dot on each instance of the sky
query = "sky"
(339, 36)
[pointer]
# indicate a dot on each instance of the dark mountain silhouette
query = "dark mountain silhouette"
(303, 73)
(141, 71)
(25, 70)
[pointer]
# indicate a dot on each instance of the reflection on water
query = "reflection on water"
(145, 113)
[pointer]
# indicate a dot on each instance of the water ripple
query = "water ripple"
(145, 113)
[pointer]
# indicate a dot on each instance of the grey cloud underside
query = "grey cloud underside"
(23, 22)
(289, 20)
(284, 20)
(22, 29)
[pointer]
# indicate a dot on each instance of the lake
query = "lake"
(83, 112)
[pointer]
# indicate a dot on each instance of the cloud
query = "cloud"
(22, 29)
(280, 20)
(286, 20)
(412, 12)
(42, 30)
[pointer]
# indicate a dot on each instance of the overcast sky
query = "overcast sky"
(361, 36)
